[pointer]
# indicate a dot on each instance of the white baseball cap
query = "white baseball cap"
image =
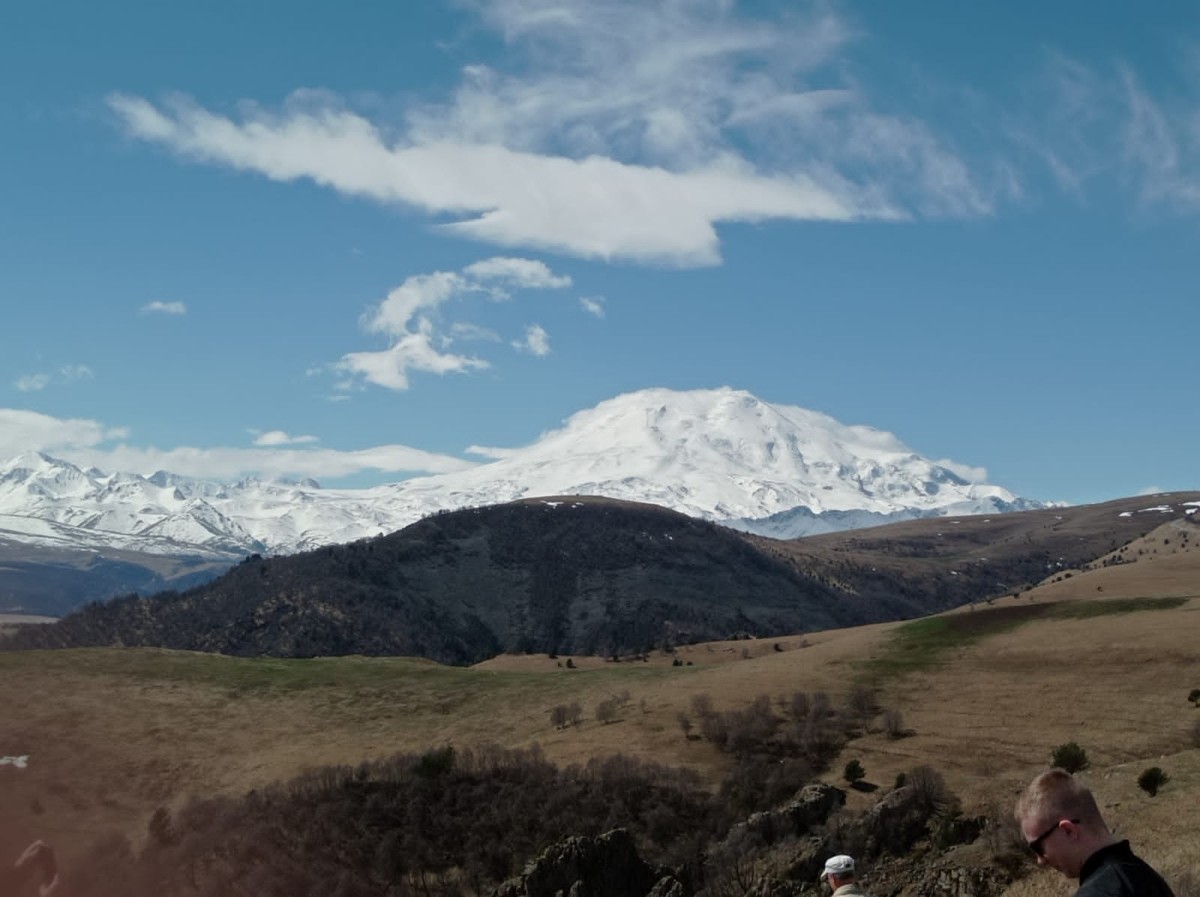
(838, 865)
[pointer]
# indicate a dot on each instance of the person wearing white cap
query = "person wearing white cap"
(839, 874)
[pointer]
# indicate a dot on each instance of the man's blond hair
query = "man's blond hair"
(1057, 795)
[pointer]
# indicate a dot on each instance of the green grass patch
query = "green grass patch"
(394, 679)
(1081, 610)
(923, 643)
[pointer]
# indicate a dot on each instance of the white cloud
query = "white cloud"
(89, 443)
(594, 207)
(524, 273)
(409, 318)
(608, 129)
(593, 305)
(230, 463)
(67, 374)
(536, 341)
(467, 331)
(74, 372)
(32, 382)
(413, 351)
(422, 291)
(22, 431)
(164, 308)
(280, 437)
(967, 472)
(490, 452)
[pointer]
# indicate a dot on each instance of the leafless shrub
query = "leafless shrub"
(702, 705)
(1003, 839)
(929, 788)
(606, 711)
(820, 705)
(800, 705)
(685, 723)
(893, 723)
(861, 704)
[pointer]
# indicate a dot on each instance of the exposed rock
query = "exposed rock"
(668, 886)
(895, 822)
(604, 866)
(960, 881)
(811, 806)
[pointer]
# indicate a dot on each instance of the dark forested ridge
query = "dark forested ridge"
(583, 576)
(597, 576)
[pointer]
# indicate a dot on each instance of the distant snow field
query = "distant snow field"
(14, 619)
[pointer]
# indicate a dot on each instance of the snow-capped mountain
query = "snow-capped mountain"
(719, 454)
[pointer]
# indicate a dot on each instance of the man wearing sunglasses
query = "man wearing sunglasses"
(1062, 826)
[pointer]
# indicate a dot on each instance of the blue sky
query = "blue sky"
(354, 243)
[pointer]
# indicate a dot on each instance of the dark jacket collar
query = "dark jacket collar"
(1100, 857)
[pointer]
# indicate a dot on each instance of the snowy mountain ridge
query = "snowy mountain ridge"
(719, 454)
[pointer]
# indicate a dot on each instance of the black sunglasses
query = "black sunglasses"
(1036, 844)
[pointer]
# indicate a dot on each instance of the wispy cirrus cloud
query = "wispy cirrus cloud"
(593, 305)
(67, 374)
(1094, 127)
(410, 319)
(164, 308)
(608, 129)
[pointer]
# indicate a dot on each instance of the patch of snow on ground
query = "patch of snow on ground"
(19, 762)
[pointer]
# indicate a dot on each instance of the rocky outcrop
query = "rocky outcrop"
(812, 806)
(962, 881)
(604, 866)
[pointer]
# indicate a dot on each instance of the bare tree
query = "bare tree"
(893, 723)
(702, 705)
(685, 723)
(606, 711)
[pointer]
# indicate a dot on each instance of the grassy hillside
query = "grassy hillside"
(985, 695)
(941, 563)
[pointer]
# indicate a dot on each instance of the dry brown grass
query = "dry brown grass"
(112, 734)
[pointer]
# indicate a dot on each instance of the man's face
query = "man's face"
(1052, 842)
